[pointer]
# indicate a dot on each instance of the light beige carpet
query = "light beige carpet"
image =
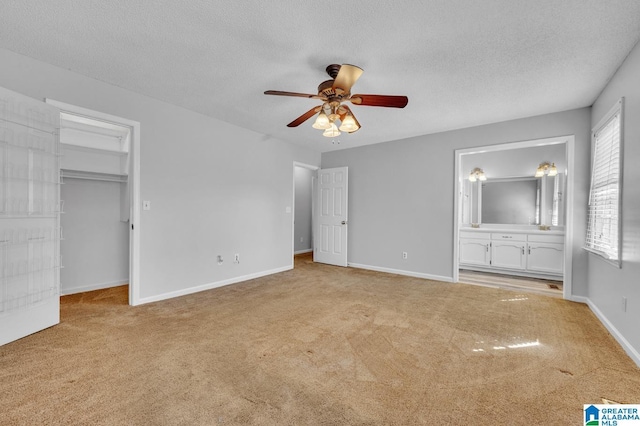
(318, 345)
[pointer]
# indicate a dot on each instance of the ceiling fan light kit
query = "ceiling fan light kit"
(331, 132)
(333, 93)
(349, 124)
(322, 122)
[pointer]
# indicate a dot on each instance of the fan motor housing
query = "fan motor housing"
(326, 88)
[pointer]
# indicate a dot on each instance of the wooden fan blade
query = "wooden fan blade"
(347, 76)
(298, 95)
(343, 113)
(380, 100)
(304, 117)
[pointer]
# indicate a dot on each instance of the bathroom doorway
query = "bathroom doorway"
(515, 238)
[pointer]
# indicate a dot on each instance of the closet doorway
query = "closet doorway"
(99, 170)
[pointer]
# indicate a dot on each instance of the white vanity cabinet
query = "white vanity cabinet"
(545, 253)
(508, 250)
(530, 253)
(475, 249)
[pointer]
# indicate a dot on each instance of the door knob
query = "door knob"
(344, 222)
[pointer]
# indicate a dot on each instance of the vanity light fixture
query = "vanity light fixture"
(546, 169)
(477, 174)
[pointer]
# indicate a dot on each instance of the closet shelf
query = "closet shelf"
(82, 174)
(71, 147)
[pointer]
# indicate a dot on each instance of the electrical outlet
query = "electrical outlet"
(404, 255)
(236, 258)
(220, 259)
(301, 239)
(624, 304)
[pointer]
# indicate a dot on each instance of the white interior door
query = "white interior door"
(330, 241)
(29, 216)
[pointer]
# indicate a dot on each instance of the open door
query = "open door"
(330, 240)
(29, 216)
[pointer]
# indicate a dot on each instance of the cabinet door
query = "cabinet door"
(474, 252)
(545, 257)
(508, 254)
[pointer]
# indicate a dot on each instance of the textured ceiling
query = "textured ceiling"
(461, 63)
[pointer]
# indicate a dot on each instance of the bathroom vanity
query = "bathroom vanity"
(526, 252)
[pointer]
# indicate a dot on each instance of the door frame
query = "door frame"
(313, 202)
(460, 175)
(134, 178)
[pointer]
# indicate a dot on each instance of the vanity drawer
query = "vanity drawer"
(508, 237)
(539, 238)
(474, 235)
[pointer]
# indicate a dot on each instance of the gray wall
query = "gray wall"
(302, 229)
(401, 193)
(214, 188)
(608, 284)
(95, 249)
(514, 162)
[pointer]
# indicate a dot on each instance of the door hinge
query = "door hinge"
(132, 226)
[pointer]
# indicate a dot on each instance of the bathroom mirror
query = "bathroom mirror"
(513, 201)
(523, 200)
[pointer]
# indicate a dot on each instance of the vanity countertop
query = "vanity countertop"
(514, 230)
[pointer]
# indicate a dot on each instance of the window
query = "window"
(603, 227)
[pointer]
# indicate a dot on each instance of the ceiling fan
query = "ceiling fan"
(333, 93)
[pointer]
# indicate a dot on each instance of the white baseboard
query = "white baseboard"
(210, 286)
(630, 350)
(92, 287)
(303, 251)
(579, 299)
(402, 272)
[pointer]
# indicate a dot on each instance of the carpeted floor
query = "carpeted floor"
(318, 345)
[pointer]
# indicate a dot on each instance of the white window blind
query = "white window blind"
(603, 227)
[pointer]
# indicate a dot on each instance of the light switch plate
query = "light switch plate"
(287, 209)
